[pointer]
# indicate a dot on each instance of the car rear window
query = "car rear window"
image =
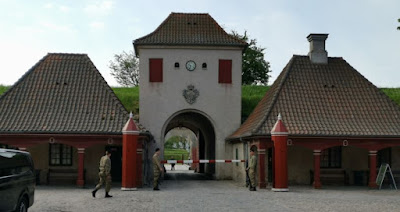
(13, 163)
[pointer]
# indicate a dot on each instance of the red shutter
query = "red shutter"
(156, 70)
(225, 71)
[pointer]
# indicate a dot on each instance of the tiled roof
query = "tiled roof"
(189, 29)
(323, 100)
(62, 93)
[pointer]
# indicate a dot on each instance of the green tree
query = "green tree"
(254, 68)
(398, 28)
(125, 69)
(173, 142)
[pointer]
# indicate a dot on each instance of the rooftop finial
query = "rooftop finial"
(131, 115)
(279, 116)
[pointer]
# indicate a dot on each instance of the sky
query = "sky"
(363, 32)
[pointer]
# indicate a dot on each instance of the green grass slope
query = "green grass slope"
(251, 95)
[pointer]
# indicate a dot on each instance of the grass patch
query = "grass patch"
(393, 93)
(129, 97)
(3, 89)
(251, 95)
(176, 154)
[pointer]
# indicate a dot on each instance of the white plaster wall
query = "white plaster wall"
(221, 103)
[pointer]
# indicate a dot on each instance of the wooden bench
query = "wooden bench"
(65, 176)
(331, 177)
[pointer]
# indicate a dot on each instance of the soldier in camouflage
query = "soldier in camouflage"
(157, 169)
(252, 170)
(104, 174)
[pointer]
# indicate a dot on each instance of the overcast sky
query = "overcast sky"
(363, 32)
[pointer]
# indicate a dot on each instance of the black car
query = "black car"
(17, 180)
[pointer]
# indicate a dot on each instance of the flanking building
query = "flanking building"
(63, 112)
(340, 126)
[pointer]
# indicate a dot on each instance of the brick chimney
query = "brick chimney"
(317, 53)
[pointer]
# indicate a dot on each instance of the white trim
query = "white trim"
(279, 133)
(130, 132)
(317, 152)
(280, 189)
(172, 161)
(220, 161)
(204, 161)
(236, 161)
(81, 150)
(128, 189)
(187, 161)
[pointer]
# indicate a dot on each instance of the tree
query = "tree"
(173, 142)
(254, 68)
(125, 69)
(398, 28)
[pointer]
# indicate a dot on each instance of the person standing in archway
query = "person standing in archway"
(157, 169)
(104, 174)
(252, 170)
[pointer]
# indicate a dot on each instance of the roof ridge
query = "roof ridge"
(276, 94)
(64, 53)
(183, 13)
(172, 32)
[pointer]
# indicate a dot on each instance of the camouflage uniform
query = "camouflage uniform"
(252, 171)
(104, 174)
(156, 170)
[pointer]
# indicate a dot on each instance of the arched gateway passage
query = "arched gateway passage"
(203, 147)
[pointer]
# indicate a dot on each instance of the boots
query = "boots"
(94, 193)
(156, 188)
(253, 188)
(107, 195)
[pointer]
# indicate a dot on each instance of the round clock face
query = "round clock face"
(190, 65)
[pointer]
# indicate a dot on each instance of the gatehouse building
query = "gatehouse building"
(335, 126)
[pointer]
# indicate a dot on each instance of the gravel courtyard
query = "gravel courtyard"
(209, 195)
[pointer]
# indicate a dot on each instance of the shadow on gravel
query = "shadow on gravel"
(187, 176)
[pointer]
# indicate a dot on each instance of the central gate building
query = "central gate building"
(190, 76)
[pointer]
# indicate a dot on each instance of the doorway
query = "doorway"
(116, 162)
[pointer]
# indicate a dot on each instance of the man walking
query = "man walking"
(252, 170)
(157, 169)
(104, 174)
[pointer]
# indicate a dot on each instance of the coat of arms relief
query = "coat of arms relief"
(190, 94)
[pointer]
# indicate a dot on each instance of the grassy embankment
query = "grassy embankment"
(3, 89)
(251, 95)
(176, 154)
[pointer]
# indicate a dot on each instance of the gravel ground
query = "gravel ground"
(177, 194)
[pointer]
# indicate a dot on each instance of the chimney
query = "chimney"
(317, 53)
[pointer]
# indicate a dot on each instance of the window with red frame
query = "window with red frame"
(225, 71)
(156, 70)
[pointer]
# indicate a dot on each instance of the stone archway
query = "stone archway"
(201, 125)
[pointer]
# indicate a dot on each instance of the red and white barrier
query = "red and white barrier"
(202, 161)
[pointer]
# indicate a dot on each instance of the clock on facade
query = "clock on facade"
(190, 65)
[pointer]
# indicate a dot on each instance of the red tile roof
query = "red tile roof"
(189, 29)
(323, 100)
(62, 93)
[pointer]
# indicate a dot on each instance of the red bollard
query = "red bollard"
(130, 134)
(279, 135)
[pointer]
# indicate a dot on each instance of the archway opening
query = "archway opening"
(189, 136)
